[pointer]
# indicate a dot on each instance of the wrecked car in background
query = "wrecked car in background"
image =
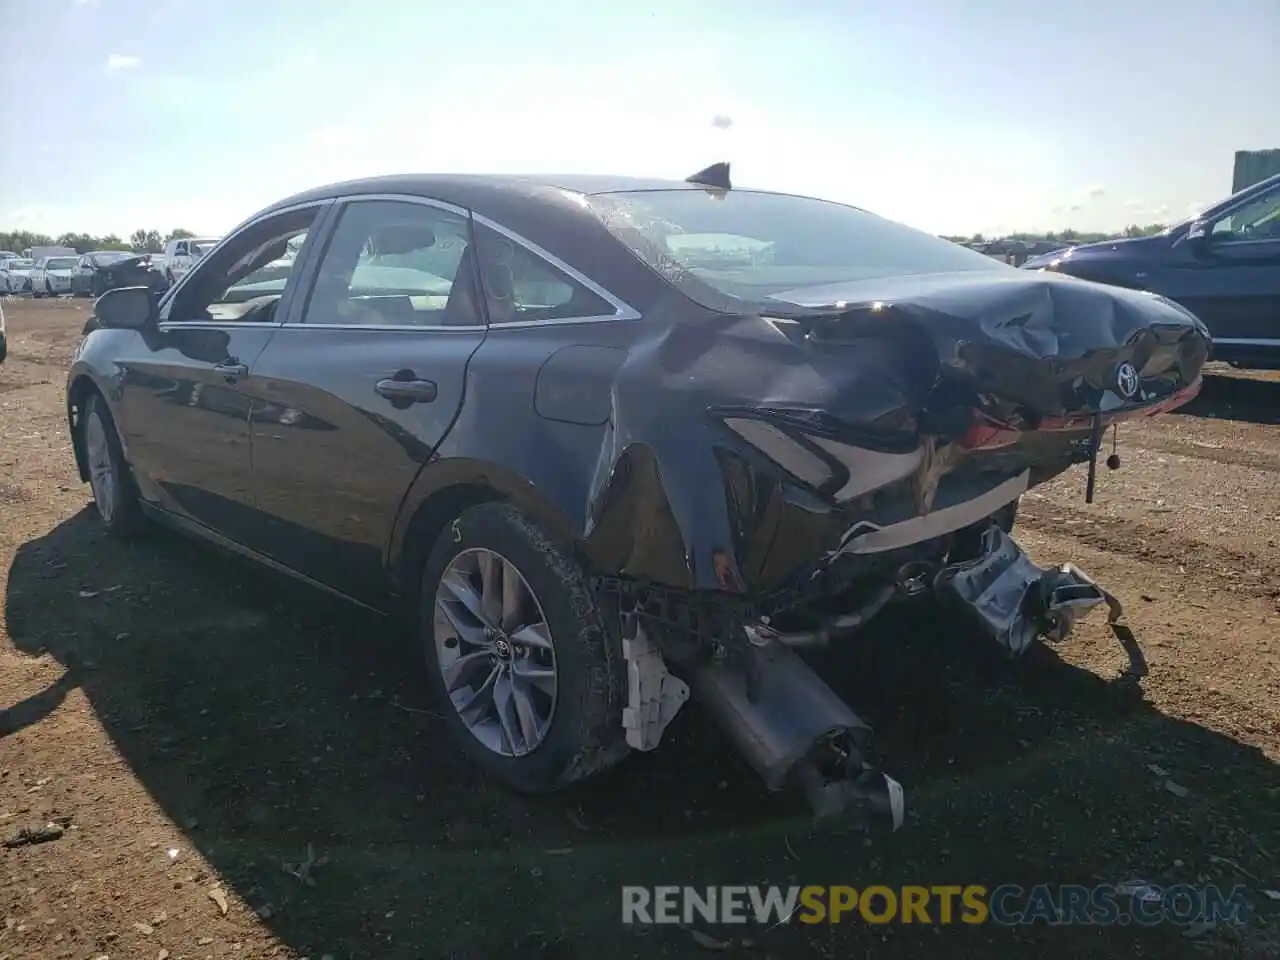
(106, 270)
(615, 444)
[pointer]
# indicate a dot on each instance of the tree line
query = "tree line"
(1072, 236)
(140, 241)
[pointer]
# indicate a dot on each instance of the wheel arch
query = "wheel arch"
(445, 489)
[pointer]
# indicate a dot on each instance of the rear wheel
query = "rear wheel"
(531, 682)
(110, 478)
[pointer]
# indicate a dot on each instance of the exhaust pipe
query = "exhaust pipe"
(793, 729)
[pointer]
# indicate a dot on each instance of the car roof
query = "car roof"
(487, 193)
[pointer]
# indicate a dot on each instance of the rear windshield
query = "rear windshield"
(20, 264)
(110, 256)
(61, 263)
(754, 246)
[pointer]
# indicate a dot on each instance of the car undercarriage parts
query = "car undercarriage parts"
(793, 729)
(654, 695)
(830, 628)
(1017, 602)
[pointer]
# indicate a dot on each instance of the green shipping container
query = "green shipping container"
(1253, 166)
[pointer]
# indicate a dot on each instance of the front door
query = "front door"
(361, 385)
(187, 392)
(1232, 282)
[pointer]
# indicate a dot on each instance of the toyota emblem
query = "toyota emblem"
(1127, 380)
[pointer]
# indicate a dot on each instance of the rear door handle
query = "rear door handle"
(231, 369)
(401, 393)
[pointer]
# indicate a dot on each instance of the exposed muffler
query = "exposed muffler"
(793, 729)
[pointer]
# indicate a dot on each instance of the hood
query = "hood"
(1131, 248)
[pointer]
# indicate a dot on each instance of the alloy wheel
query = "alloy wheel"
(495, 652)
(102, 476)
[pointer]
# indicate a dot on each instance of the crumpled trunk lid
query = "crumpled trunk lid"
(1021, 348)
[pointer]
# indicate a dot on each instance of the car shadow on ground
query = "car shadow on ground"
(1236, 398)
(267, 721)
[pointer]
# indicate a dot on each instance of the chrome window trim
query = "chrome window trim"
(622, 310)
(236, 231)
(167, 325)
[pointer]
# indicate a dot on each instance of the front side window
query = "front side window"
(760, 246)
(245, 280)
(520, 285)
(1259, 219)
(399, 264)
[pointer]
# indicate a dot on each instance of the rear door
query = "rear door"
(361, 384)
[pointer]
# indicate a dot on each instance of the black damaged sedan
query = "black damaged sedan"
(615, 444)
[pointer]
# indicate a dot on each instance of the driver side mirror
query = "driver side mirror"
(126, 308)
(1198, 235)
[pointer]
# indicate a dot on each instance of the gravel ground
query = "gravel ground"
(237, 768)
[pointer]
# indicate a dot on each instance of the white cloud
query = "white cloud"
(119, 61)
(1097, 190)
(1075, 207)
(1196, 207)
(1133, 204)
(1161, 212)
(722, 121)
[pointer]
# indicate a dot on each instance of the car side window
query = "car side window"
(520, 285)
(245, 279)
(181, 249)
(392, 263)
(1259, 219)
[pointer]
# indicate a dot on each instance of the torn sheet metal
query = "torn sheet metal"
(825, 420)
(1016, 601)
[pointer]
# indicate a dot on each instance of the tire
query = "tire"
(114, 492)
(575, 728)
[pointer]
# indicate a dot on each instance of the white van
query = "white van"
(180, 255)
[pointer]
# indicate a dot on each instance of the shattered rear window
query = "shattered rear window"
(755, 246)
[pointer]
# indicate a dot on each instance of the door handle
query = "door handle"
(231, 369)
(401, 393)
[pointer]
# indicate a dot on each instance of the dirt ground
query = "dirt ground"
(243, 769)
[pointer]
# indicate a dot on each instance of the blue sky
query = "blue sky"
(952, 115)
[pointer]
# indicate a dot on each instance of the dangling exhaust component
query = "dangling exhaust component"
(793, 729)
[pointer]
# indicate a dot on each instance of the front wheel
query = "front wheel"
(531, 681)
(110, 478)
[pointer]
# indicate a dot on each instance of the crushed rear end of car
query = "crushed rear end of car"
(775, 480)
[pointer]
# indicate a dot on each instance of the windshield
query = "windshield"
(20, 264)
(755, 245)
(200, 247)
(60, 263)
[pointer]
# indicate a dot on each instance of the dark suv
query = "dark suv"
(1224, 266)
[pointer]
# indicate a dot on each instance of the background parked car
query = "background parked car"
(15, 274)
(52, 276)
(181, 255)
(1223, 266)
(87, 281)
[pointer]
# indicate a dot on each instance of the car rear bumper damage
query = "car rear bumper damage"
(779, 714)
(856, 457)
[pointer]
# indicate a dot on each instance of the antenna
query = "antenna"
(716, 175)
